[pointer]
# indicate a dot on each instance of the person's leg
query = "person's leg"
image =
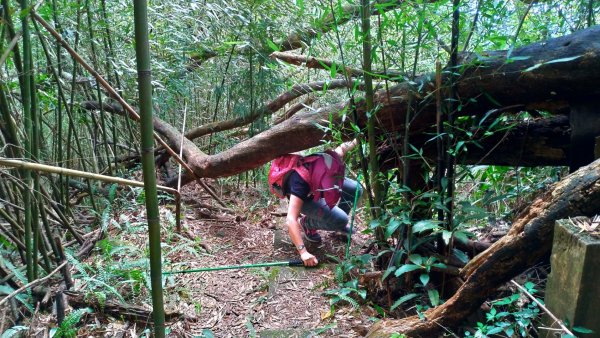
(320, 217)
(348, 194)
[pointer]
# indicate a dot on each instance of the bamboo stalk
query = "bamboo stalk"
(10, 234)
(113, 93)
(11, 45)
(108, 46)
(27, 122)
(142, 55)
(98, 90)
(62, 187)
(71, 172)
(12, 35)
(37, 131)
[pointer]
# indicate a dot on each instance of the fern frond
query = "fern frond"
(350, 300)
(14, 331)
(20, 276)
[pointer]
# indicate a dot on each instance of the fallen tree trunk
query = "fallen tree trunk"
(117, 309)
(269, 108)
(533, 82)
(527, 242)
(530, 79)
(540, 142)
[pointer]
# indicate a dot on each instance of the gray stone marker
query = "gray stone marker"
(572, 291)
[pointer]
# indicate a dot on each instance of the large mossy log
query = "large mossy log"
(527, 242)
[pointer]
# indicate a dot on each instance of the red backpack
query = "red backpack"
(324, 173)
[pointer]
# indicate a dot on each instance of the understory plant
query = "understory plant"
(510, 316)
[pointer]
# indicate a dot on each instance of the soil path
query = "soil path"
(261, 302)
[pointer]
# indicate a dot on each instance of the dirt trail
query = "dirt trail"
(265, 302)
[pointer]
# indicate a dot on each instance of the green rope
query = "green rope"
(230, 267)
(352, 217)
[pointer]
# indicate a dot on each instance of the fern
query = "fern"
(112, 192)
(93, 282)
(342, 294)
(21, 298)
(77, 265)
(106, 217)
(187, 246)
(350, 300)
(67, 328)
(20, 276)
(14, 331)
(6, 243)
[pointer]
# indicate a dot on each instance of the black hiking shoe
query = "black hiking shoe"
(310, 235)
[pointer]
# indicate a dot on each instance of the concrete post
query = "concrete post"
(572, 291)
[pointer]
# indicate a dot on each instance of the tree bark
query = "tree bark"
(549, 86)
(268, 109)
(527, 242)
(540, 142)
(487, 82)
(117, 309)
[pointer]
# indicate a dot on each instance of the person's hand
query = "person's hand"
(309, 259)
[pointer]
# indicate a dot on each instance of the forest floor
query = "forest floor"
(275, 301)
(263, 302)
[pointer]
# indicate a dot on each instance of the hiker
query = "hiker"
(319, 211)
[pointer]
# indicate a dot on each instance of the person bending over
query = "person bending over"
(317, 215)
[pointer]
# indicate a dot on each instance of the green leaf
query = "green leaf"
(425, 225)
(233, 42)
(403, 299)
(461, 236)
(434, 297)
(13, 331)
(206, 333)
(250, 327)
(439, 265)
(272, 45)
(416, 258)
(20, 297)
(424, 278)
(530, 287)
(536, 66)
(388, 272)
(582, 330)
(492, 100)
(494, 330)
(333, 70)
(461, 255)
(406, 268)
(392, 227)
(374, 224)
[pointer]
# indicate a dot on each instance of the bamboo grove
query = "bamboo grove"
(69, 96)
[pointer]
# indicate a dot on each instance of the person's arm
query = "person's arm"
(345, 147)
(295, 231)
